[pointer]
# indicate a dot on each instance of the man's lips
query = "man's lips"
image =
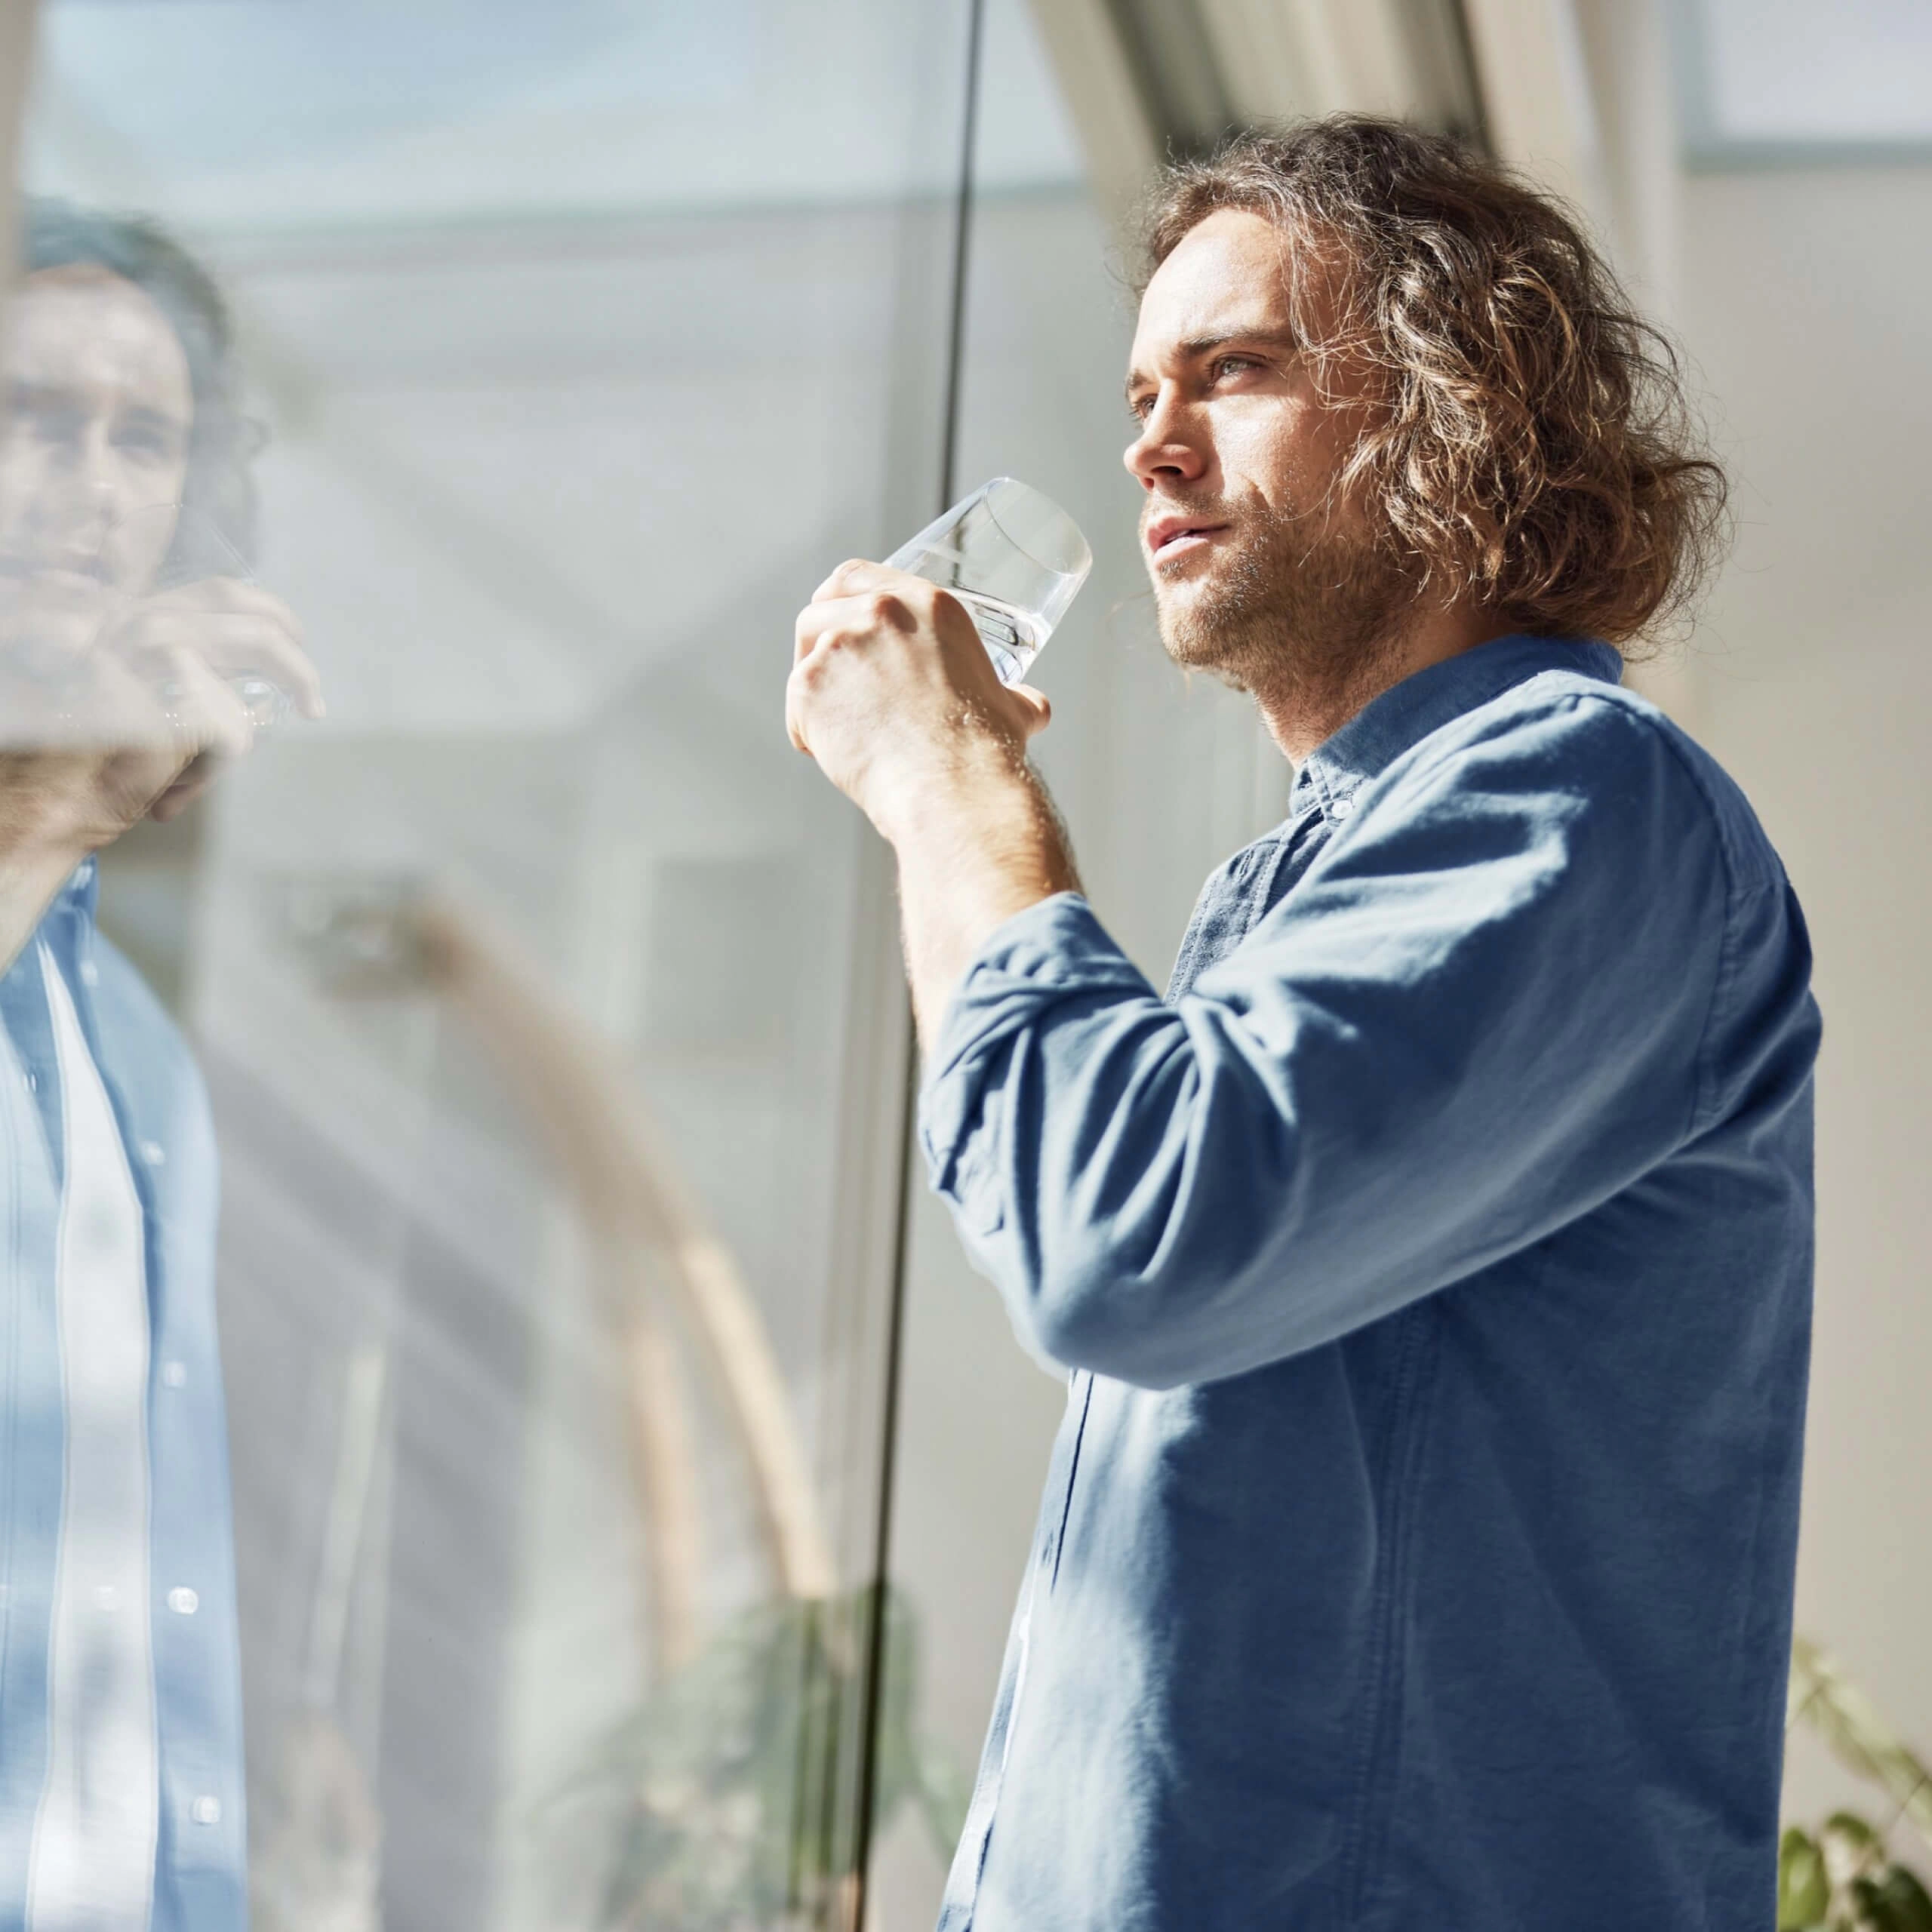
(63, 572)
(1177, 536)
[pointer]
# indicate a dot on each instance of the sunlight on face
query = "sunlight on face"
(1261, 566)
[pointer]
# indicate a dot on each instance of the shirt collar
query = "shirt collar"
(1405, 714)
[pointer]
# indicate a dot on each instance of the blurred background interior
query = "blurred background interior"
(580, 1330)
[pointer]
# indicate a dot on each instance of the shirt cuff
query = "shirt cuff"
(1054, 950)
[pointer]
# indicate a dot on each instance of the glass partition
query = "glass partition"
(521, 370)
(1160, 777)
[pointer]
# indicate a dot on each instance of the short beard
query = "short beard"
(1297, 618)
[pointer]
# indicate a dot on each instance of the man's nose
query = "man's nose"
(81, 492)
(1168, 447)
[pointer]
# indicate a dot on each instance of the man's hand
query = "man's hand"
(892, 693)
(215, 642)
(110, 715)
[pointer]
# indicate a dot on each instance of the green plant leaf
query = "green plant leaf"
(1851, 1849)
(1829, 1703)
(1850, 1827)
(1894, 1902)
(722, 1802)
(1803, 1896)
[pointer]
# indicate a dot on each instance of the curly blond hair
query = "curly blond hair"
(1530, 445)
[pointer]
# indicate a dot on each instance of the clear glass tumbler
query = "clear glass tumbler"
(197, 549)
(1013, 558)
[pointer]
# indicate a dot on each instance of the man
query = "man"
(127, 668)
(1433, 1265)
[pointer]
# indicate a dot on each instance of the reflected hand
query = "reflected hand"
(110, 712)
(230, 646)
(890, 688)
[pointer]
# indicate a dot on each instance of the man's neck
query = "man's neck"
(1301, 712)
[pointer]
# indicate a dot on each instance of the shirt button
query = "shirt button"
(1342, 808)
(153, 1152)
(89, 974)
(183, 1601)
(205, 1810)
(33, 1080)
(174, 1374)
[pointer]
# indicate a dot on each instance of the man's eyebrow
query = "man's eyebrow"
(1197, 346)
(24, 391)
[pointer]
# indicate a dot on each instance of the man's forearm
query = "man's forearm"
(975, 846)
(41, 839)
(31, 875)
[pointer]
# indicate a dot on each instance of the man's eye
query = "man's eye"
(50, 423)
(1224, 363)
(146, 444)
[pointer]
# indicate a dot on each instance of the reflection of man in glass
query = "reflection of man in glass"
(128, 670)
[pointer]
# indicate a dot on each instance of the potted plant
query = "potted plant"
(1842, 1878)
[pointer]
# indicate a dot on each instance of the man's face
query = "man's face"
(94, 439)
(1263, 572)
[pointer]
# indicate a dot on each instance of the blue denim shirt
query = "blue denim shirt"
(161, 1108)
(1434, 1265)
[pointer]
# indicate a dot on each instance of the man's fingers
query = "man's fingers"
(264, 646)
(855, 616)
(854, 575)
(208, 714)
(193, 781)
(245, 630)
(806, 632)
(856, 578)
(1036, 706)
(792, 724)
(866, 605)
(248, 646)
(227, 596)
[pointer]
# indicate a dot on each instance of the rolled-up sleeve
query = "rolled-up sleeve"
(1482, 1012)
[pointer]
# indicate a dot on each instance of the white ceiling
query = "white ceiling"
(277, 114)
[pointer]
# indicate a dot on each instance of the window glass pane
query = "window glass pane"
(1160, 778)
(546, 1003)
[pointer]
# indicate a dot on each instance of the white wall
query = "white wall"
(1808, 300)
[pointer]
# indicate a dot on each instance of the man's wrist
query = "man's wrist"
(978, 842)
(983, 781)
(32, 850)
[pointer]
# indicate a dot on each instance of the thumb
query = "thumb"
(1035, 707)
(794, 726)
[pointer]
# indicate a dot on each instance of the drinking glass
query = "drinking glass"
(197, 549)
(1013, 558)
